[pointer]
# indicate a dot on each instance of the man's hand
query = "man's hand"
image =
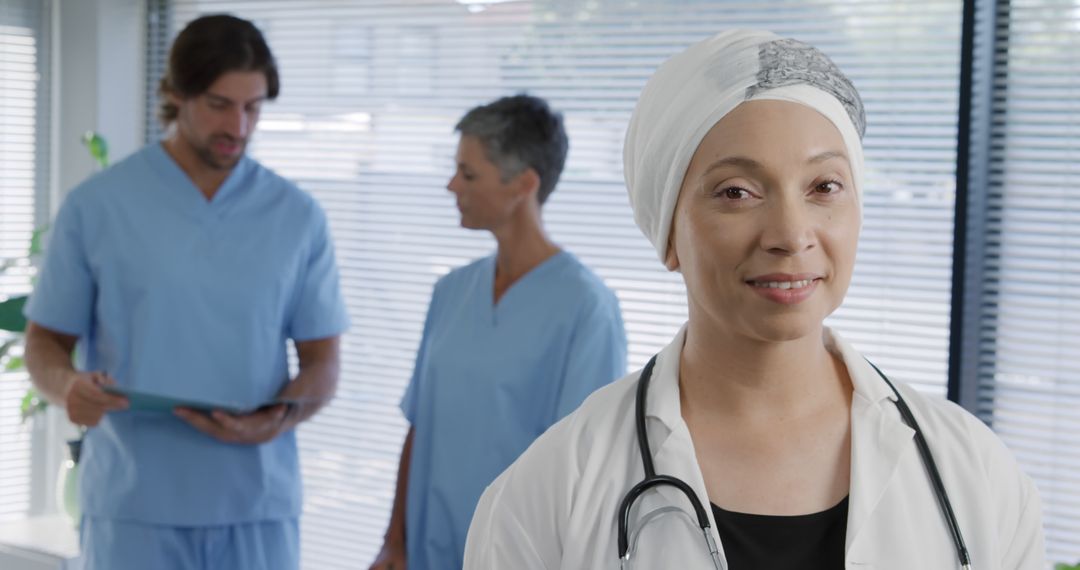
(85, 400)
(257, 427)
(391, 557)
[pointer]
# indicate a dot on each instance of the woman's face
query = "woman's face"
(486, 201)
(767, 222)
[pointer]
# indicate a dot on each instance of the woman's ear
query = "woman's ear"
(671, 259)
(528, 182)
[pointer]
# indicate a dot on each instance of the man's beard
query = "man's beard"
(206, 154)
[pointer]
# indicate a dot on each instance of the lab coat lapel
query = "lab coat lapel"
(673, 448)
(879, 438)
(676, 458)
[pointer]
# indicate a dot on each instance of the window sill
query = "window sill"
(39, 543)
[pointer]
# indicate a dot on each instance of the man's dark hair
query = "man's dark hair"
(206, 49)
(520, 132)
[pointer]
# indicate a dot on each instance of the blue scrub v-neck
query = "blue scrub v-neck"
(507, 302)
(180, 189)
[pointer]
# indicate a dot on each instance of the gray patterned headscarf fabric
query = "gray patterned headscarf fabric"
(693, 90)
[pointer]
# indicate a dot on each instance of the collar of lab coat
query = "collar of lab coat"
(878, 436)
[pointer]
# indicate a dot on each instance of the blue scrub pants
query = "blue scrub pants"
(123, 545)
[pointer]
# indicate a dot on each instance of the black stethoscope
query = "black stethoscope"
(653, 480)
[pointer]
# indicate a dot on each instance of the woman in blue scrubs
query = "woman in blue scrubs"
(512, 342)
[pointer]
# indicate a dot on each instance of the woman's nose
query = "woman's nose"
(789, 227)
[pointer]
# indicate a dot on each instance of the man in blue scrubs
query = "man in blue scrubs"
(183, 271)
(512, 343)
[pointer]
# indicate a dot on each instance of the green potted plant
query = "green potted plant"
(12, 322)
(1064, 566)
(12, 325)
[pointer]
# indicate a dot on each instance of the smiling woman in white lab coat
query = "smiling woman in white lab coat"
(744, 165)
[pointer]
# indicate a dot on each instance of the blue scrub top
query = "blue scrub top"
(173, 294)
(491, 378)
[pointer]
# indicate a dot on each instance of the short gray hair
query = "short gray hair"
(520, 132)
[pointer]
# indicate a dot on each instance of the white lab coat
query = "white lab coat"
(555, 507)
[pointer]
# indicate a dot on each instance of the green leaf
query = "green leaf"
(32, 404)
(11, 316)
(36, 239)
(97, 146)
(14, 364)
(1064, 566)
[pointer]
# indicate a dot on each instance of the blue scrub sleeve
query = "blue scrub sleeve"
(410, 402)
(63, 299)
(320, 308)
(597, 356)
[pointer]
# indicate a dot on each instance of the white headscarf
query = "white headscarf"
(693, 90)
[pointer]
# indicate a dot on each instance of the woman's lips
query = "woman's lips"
(783, 288)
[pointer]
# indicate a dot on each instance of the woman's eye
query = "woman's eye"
(829, 187)
(733, 193)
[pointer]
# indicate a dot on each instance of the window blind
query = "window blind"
(23, 162)
(371, 91)
(1030, 326)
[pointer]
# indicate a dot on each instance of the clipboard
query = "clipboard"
(147, 402)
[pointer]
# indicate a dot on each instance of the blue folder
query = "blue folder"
(146, 402)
